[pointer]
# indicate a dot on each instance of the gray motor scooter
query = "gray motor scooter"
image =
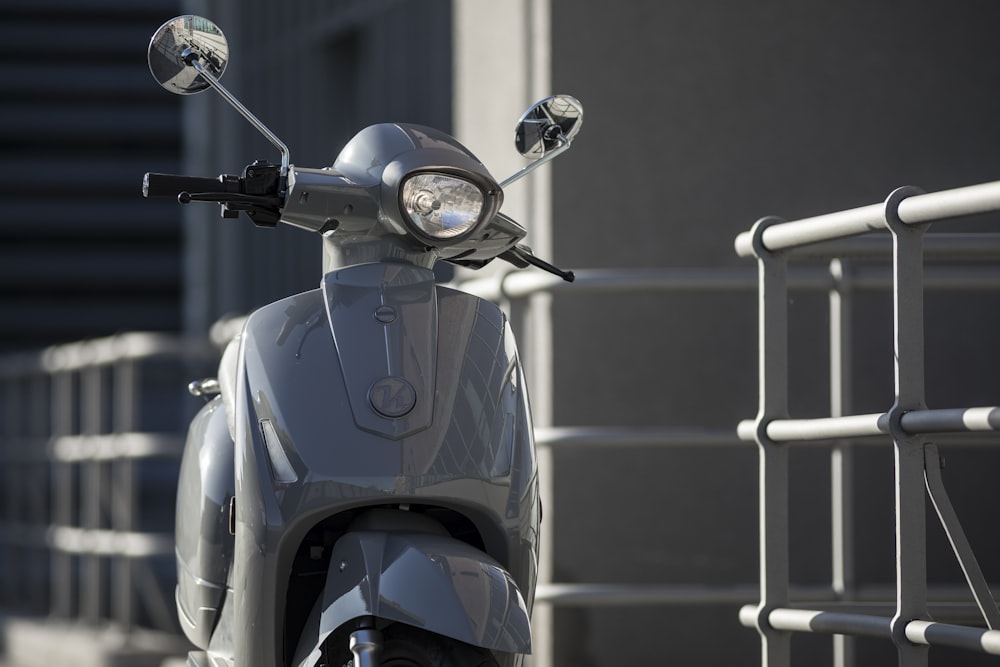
(361, 484)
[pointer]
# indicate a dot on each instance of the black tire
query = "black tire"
(406, 646)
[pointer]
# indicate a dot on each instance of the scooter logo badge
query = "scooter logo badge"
(392, 397)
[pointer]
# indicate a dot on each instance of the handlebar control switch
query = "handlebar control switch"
(262, 178)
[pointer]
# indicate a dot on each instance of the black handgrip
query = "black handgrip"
(171, 185)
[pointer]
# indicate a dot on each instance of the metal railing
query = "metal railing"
(80, 465)
(905, 620)
(840, 280)
(523, 285)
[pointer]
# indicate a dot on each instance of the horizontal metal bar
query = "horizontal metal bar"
(953, 203)
(957, 420)
(870, 599)
(952, 420)
(518, 285)
(69, 448)
(949, 611)
(864, 277)
(824, 428)
(582, 436)
(69, 539)
(927, 633)
(935, 206)
(829, 622)
(840, 224)
(943, 634)
(131, 346)
(600, 595)
(126, 346)
(827, 428)
(77, 448)
(936, 246)
(953, 278)
(594, 594)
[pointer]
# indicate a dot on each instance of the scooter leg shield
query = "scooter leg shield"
(432, 582)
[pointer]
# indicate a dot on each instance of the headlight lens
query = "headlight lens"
(441, 206)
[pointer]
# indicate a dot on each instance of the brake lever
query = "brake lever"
(263, 211)
(521, 257)
(229, 197)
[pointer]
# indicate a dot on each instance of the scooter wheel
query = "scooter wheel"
(406, 646)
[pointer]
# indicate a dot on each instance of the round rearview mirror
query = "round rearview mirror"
(177, 43)
(547, 125)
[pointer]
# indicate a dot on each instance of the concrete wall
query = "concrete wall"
(700, 118)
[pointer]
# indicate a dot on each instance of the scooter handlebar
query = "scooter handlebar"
(171, 185)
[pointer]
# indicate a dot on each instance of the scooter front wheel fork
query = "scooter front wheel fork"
(366, 646)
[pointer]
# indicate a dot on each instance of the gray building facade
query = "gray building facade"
(703, 117)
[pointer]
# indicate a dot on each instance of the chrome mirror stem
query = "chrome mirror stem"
(564, 145)
(193, 59)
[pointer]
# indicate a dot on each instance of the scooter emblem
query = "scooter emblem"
(392, 397)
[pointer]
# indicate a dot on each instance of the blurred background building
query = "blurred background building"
(699, 119)
(81, 254)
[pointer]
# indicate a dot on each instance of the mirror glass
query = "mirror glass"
(176, 40)
(542, 125)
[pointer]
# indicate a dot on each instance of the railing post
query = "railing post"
(773, 457)
(9, 474)
(908, 332)
(842, 453)
(124, 504)
(63, 491)
(93, 484)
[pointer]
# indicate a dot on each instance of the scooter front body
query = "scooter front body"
(380, 395)
(367, 476)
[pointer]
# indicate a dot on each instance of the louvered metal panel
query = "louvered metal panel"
(81, 253)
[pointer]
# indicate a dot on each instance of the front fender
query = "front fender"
(433, 582)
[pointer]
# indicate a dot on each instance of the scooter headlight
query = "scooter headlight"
(441, 206)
